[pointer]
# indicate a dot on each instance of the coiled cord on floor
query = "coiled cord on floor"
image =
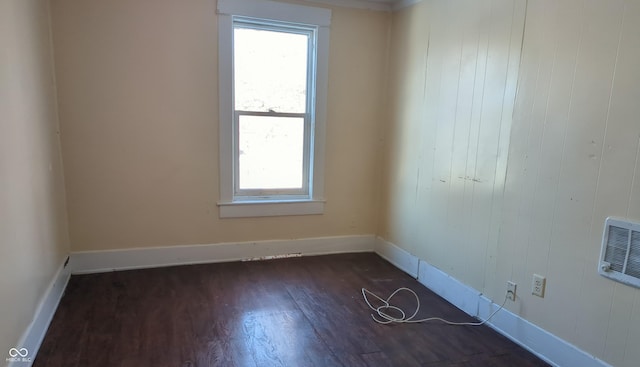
(385, 318)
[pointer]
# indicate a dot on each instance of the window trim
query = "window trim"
(231, 205)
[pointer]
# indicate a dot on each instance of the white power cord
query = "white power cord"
(385, 318)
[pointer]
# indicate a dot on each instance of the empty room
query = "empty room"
(320, 183)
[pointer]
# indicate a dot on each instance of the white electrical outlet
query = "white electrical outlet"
(511, 291)
(537, 285)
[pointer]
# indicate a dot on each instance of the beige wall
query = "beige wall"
(572, 155)
(33, 229)
(137, 87)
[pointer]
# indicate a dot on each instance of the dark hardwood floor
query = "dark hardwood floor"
(291, 312)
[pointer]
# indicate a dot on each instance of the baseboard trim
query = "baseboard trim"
(449, 288)
(140, 258)
(34, 334)
(546, 346)
(397, 256)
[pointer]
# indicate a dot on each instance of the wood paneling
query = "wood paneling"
(503, 186)
(572, 163)
(453, 74)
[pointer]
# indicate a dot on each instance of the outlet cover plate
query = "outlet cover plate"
(511, 291)
(537, 285)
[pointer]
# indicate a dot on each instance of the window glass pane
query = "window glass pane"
(270, 70)
(271, 151)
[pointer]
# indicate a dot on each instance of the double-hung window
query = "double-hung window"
(273, 74)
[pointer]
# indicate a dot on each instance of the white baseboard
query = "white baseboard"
(34, 334)
(139, 258)
(449, 288)
(546, 346)
(400, 258)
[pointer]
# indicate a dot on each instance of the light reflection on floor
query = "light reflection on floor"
(271, 337)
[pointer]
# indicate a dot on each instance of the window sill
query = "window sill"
(241, 209)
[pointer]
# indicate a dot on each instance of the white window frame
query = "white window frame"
(242, 203)
(305, 191)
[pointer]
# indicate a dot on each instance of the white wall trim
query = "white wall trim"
(285, 12)
(139, 258)
(449, 288)
(34, 334)
(546, 346)
(270, 208)
(397, 256)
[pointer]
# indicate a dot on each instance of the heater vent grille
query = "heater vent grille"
(620, 256)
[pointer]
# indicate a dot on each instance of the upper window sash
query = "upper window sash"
(310, 31)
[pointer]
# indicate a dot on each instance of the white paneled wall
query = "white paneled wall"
(489, 185)
(453, 75)
(572, 163)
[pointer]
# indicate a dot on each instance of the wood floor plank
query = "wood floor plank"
(291, 312)
(377, 359)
